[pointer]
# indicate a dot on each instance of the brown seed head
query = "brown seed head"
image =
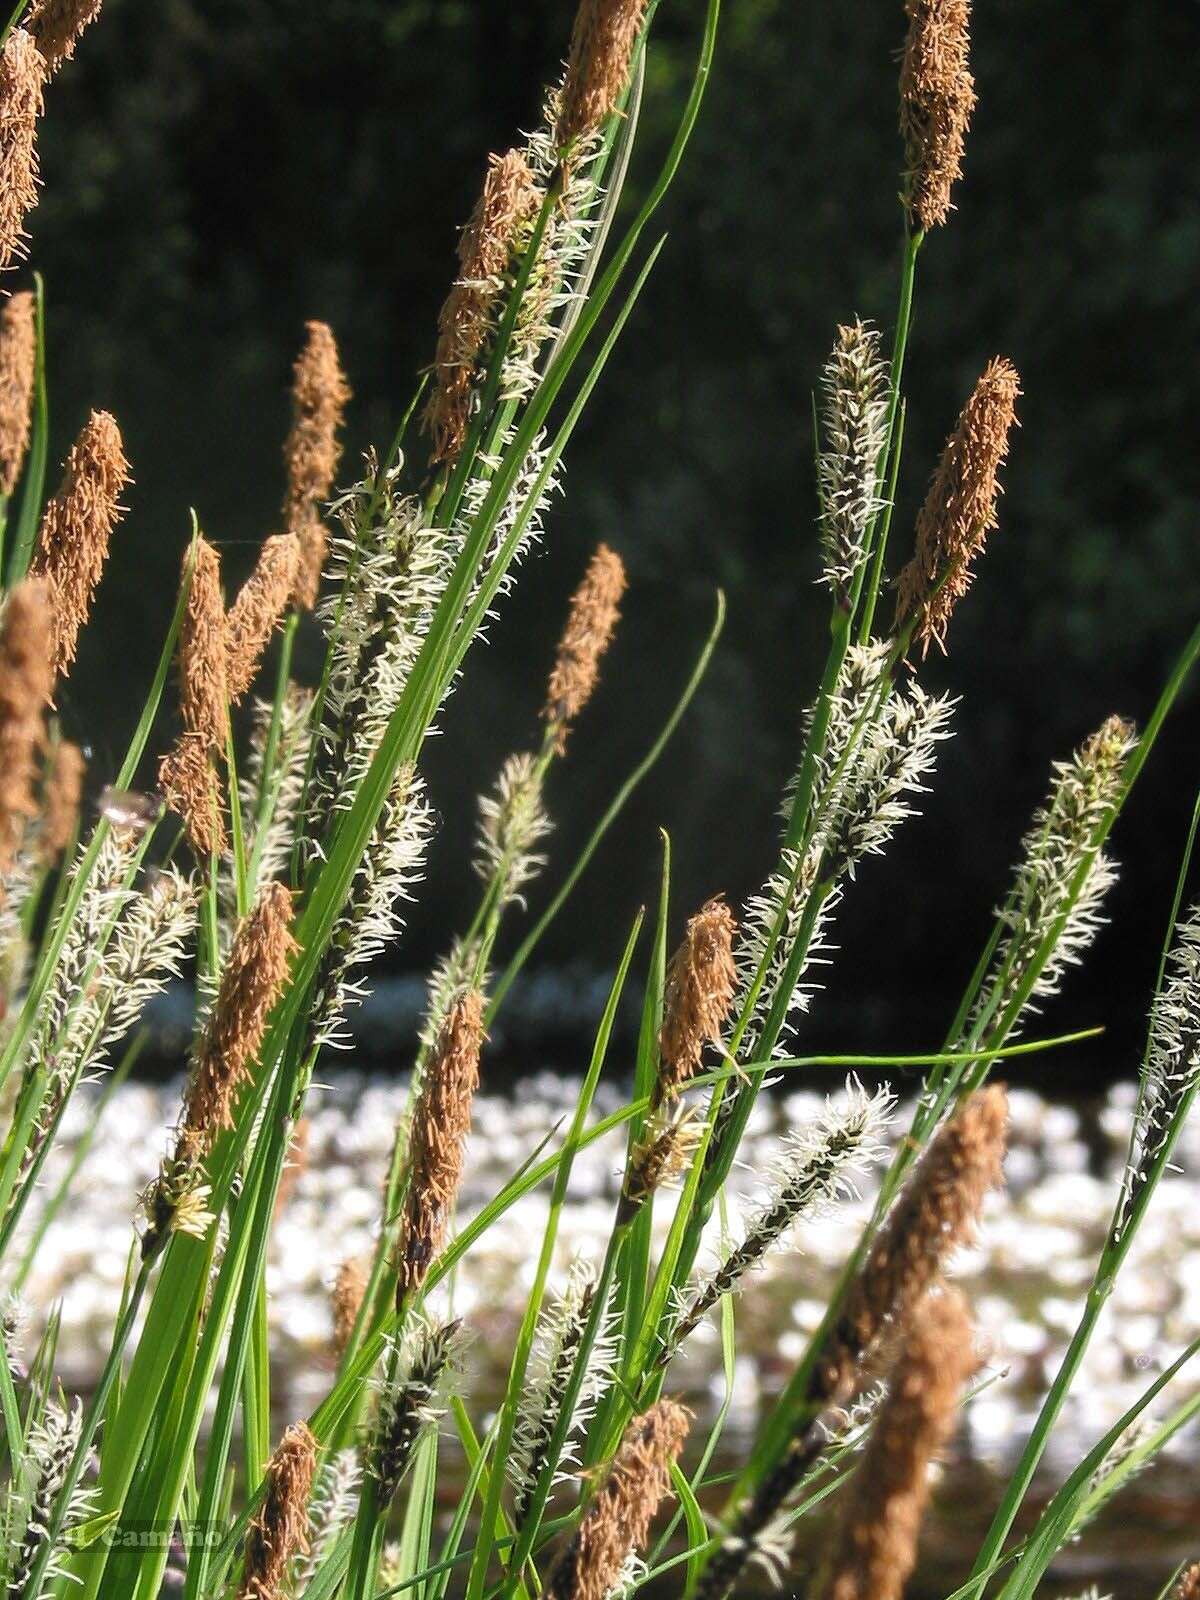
(77, 526)
(1188, 1587)
(203, 649)
(618, 1521)
(18, 363)
(22, 74)
(57, 25)
(259, 608)
(26, 682)
(960, 508)
(701, 982)
(60, 808)
(255, 973)
(875, 1545)
(937, 97)
(348, 1290)
(312, 451)
(280, 1530)
(441, 1123)
(935, 1214)
(593, 616)
(602, 46)
(191, 789)
(486, 246)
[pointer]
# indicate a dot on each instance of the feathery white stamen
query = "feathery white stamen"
(512, 820)
(854, 414)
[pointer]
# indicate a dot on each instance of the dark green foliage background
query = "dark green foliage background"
(215, 173)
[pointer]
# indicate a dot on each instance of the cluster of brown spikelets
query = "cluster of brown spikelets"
(937, 97)
(960, 508)
(251, 982)
(875, 1544)
(594, 614)
(18, 362)
(312, 452)
(26, 683)
(486, 246)
(63, 797)
(280, 1529)
(441, 1123)
(77, 526)
(700, 985)
(602, 45)
(618, 1520)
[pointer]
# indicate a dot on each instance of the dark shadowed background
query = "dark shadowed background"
(217, 173)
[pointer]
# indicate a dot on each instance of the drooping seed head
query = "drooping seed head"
(18, 363)
(937, 97)
(701, 983)
(203, 651)
(77, 527)
(617, 1523)
(486, 247)
(594, 612)
(191, 788)
(312, 451)
(26, 683)
(936, 1214)
(280, 1529)
(22, 74)
(602, 46)
(259, 608)
(441, 1124)
(253, 979)
(60, 807)
(874, 1546)
(960, 508)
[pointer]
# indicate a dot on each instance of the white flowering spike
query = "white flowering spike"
(783, 903)
(285, 780)
(371, 918)
(816, 1167)
(331, 1508)
(1059, 842)
(512, 821)
(854, 409)
(1172, 1068)
(410, 1396)
(899, 750)
(557, 1341)
(51, 1445)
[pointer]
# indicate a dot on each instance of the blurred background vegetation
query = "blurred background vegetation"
(216, 173)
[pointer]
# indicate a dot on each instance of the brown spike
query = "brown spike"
(22, 74)
(486, 245)
(280, 1530)
(312, 451)
(191, 789)
(960, 508)
(875, 1544)
(700, 986)
(259, 608)
(60, 808)
(618, 1520)
(598, 66)
(937, 97)
(203, 651)
(441, 1123)
(18, 365)
(26, 682)
(594, 613)
(252, 981)
(348, 1290)
(77, 527)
